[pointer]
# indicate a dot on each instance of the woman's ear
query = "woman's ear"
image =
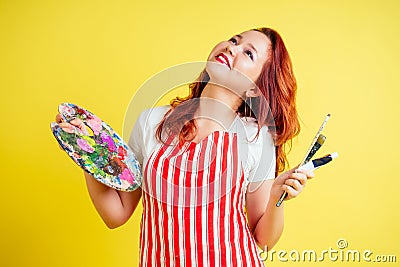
(254, 92)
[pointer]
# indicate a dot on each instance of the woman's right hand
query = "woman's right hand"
(114, 207)
(69, 127)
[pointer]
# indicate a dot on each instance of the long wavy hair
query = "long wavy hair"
(276, 108)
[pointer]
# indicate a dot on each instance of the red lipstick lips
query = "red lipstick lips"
(223, 59)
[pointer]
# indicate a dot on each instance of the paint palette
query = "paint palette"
(103, 154)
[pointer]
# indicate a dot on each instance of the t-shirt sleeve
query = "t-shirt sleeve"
(263, 159)
(136, 140)
(142, 139)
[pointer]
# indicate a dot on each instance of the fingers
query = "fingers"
(301, 177)
(59, 118)
(309, 174)
(70, 126)
(291, 192)
(67, 127)
(77, 122)
(295, 183)
(80, 125)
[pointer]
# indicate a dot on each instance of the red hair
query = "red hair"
(276, 108)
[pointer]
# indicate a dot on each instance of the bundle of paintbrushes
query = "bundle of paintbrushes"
(316, 144)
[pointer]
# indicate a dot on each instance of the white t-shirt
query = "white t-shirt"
(257, 155)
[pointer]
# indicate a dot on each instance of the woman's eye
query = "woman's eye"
(249, 53)
(233, 41)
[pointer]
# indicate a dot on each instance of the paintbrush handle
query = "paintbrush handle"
(281, 199)
(316, 144)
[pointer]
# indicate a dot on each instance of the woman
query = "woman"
(209, 156)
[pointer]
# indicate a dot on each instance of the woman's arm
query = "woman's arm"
(114, 207)
(265, 219)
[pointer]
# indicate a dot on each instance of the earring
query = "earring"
(245, 108)
(251, 108)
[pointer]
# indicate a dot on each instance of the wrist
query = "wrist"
(275, 194)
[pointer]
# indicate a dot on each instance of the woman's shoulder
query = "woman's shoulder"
(249, 128)
(153, 116)
(143, 136)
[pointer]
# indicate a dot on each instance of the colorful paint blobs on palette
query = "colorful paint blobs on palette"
(103, 154)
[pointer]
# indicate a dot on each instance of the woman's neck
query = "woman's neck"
(217, 109)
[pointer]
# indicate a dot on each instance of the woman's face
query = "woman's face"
(245, 53)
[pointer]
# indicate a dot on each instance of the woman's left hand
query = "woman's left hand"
(292, 181)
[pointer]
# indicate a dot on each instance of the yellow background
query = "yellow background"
(97, 53)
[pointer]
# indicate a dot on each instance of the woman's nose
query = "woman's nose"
(231, 50)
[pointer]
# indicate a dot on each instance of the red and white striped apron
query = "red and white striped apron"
(193, 206)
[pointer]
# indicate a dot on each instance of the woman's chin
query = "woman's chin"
(221, 75)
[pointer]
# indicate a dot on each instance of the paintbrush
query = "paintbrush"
(316, 144)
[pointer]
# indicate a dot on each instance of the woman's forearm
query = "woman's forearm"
(114, 207)
(270, 226)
